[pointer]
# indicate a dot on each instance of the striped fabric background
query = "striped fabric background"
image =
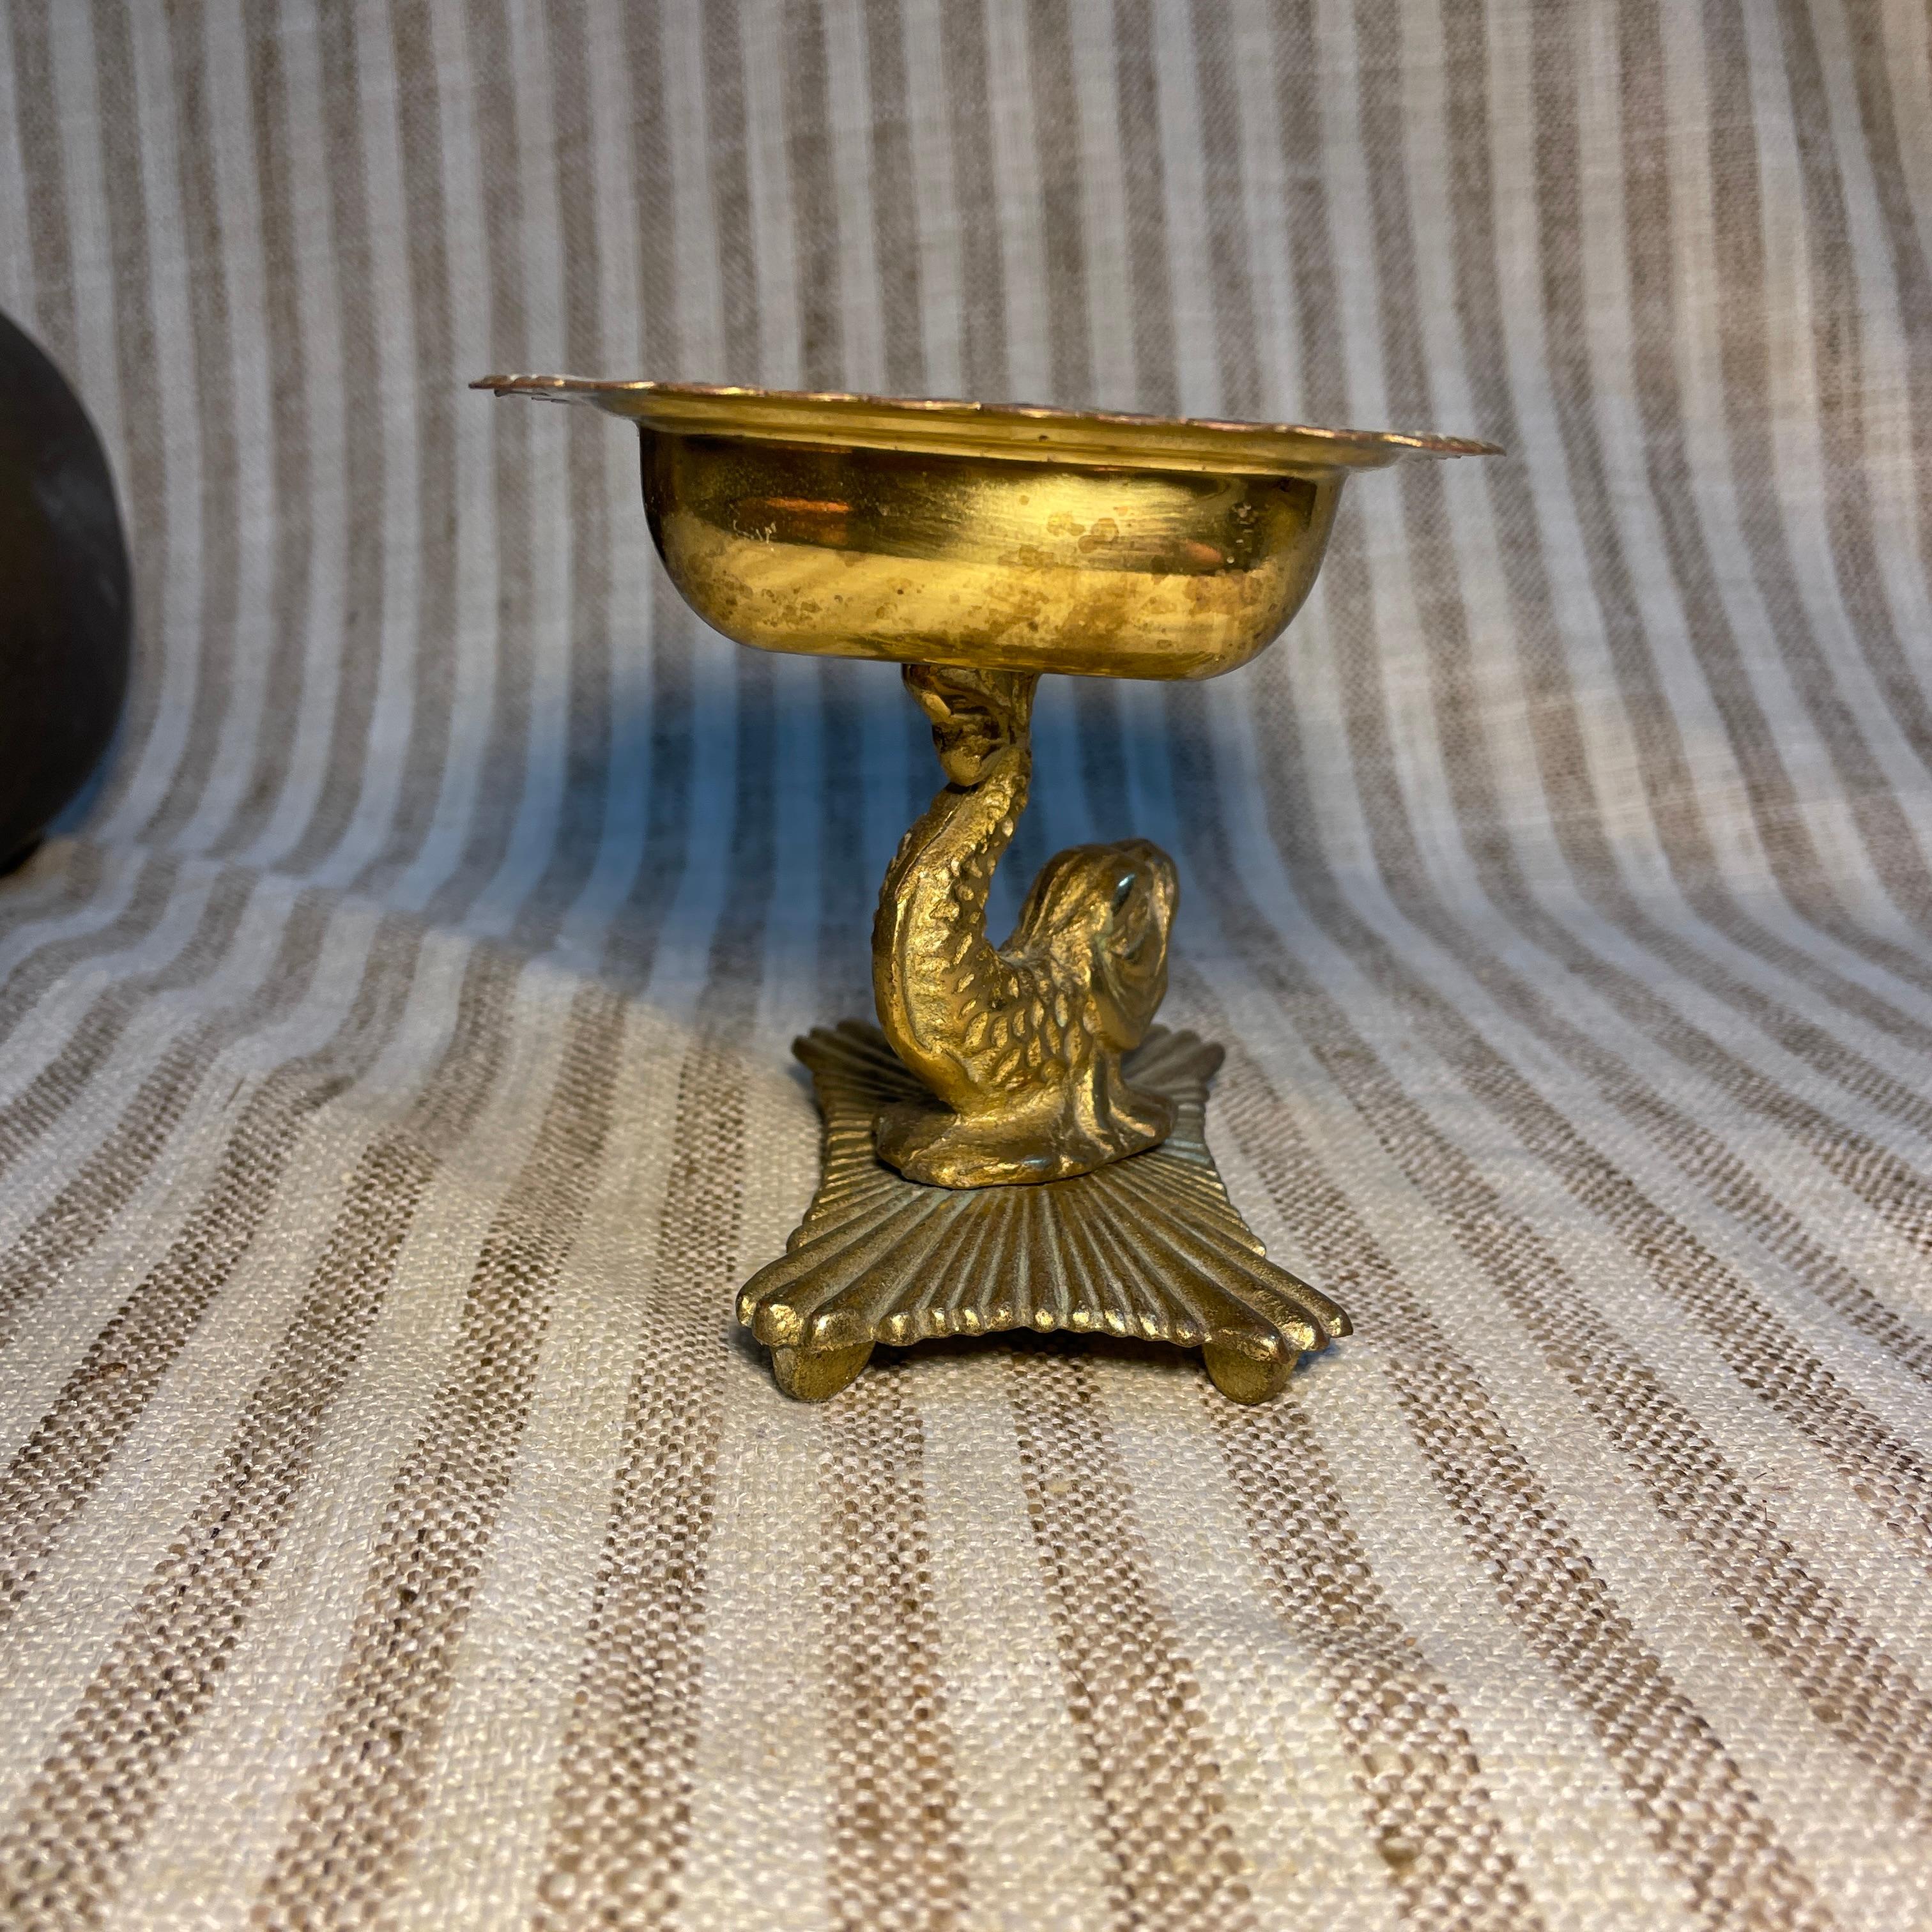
(393, 1084)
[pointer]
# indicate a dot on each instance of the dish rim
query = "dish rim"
(1006, 431)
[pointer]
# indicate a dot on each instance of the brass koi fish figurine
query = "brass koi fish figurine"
(1020, 1044)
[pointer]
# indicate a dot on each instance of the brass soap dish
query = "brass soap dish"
(1015, 1144)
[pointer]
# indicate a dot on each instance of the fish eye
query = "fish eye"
(1120, 891)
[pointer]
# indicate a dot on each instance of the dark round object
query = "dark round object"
(66, 596)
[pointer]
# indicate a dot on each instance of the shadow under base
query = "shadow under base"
(1149, 1247)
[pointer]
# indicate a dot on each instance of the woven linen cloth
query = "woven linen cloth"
(394, 1082)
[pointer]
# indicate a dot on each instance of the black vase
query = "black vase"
(66, 598)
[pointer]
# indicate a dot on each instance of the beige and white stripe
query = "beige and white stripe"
(392, 1052)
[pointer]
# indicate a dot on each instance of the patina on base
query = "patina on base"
(1149, 1247)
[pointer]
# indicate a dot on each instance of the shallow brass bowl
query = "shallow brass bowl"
(1003, 538)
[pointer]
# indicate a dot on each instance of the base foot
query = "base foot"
(817, 1375)
(1243, 1378)
(1149, 1247)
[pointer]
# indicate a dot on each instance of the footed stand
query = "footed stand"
(1149, 1246)
(1016, 1145)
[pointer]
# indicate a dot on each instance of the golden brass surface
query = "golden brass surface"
(1150, 1248)
(867, 553)
(1019, 1048)
(1015, 1148)
(1010, 538)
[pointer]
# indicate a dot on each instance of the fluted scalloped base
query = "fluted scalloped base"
(1149, 1247)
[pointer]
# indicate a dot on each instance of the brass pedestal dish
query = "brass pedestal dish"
(1015, 1145)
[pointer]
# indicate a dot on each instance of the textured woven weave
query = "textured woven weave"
(393, 1083)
